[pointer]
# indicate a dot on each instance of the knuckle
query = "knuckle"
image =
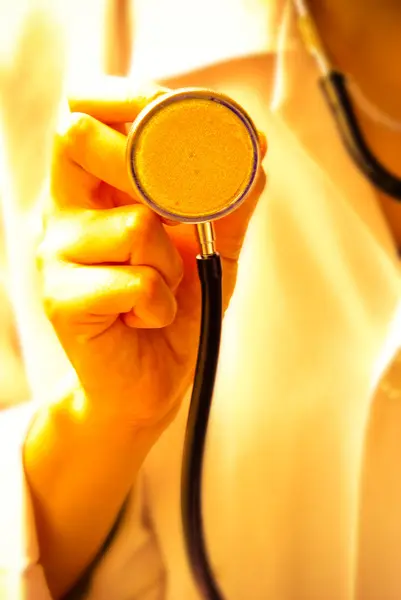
(142, 234)
(151, 281)
(50, 304)
(61, 233)
(46, 250)
(52, 297)
(141, 225)
(178, 273)
(56, 312)
(75, 130)
(145, 219)
(146, 93)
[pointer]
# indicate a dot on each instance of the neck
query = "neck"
(363, 40)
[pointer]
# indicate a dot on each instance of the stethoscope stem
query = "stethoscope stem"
(206, 237)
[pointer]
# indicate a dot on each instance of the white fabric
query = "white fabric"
(178, 36)
(313, 325)
(20, 574)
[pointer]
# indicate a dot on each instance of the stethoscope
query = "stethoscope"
(334, 86)
(193, 156)
(182, 164)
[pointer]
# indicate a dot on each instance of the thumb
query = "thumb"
(231, 230)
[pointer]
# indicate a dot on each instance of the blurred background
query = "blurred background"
(43, 45)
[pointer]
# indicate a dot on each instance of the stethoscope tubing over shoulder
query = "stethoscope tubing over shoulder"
(334, 86)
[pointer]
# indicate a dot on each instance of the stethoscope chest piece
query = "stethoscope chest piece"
(193, 155)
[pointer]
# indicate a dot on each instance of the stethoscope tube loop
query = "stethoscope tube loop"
(334, 86)
(335, 92)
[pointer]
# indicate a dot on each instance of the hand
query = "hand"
(120, 286)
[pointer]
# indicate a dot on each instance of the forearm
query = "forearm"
(80, 465)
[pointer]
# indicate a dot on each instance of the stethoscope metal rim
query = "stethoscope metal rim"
(185, 94)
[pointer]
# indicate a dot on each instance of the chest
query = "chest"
(287, 433)
(380, 499)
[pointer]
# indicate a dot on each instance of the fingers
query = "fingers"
(89, 299)
(262, 143)
(131, 234)
(89, 168)
(113, 99)
(231, 230)
(97, 149)
(116, 100)
(100, 150)
(100, 153)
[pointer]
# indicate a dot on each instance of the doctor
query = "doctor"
(302, 488)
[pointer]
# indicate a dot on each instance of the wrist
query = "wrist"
(79, 424)
(75, 454)
(100, 419)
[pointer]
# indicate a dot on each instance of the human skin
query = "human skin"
(121, 290)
